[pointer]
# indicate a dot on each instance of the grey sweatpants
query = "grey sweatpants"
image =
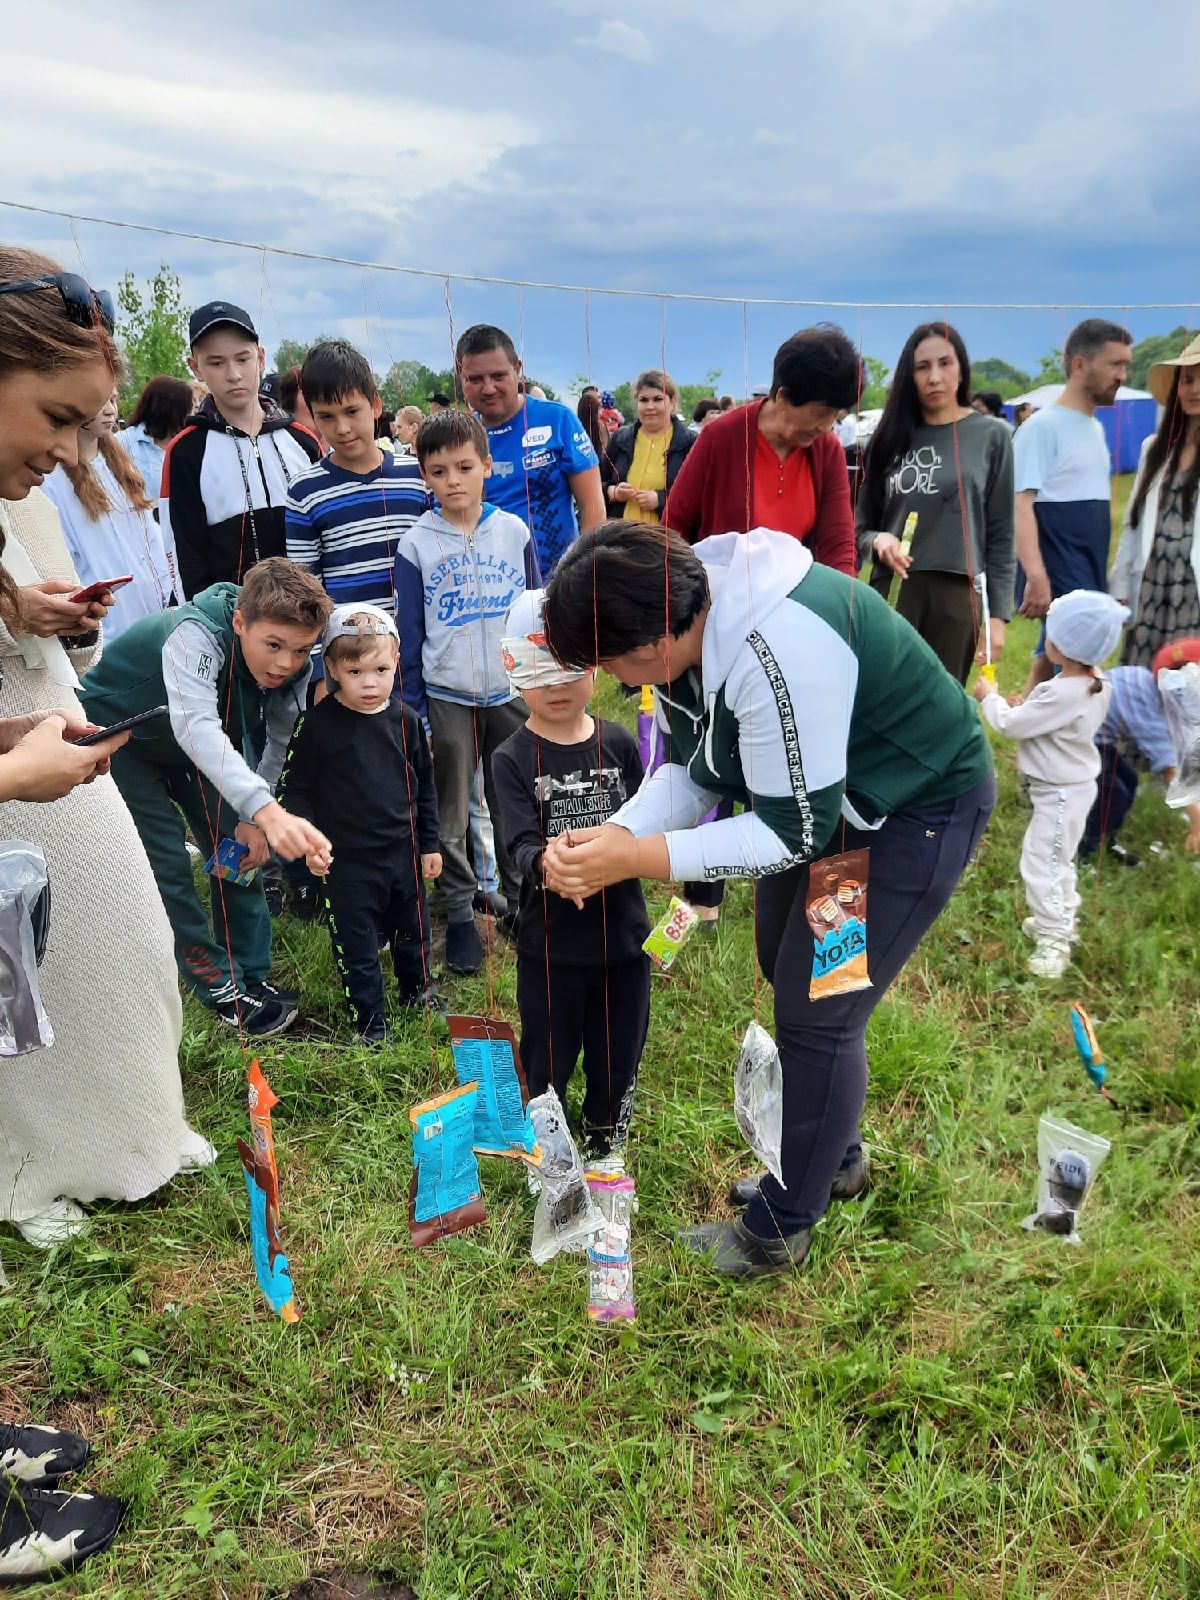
(1060, 812)
(463, 737)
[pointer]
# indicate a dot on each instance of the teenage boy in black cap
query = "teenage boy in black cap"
(226, 476)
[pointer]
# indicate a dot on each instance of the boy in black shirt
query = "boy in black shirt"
(583, 979)
(361, 761)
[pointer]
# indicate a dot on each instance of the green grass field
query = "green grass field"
(939, 1404)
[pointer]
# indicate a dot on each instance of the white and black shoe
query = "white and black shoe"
(257, 1018)
(35, 1453)
(261, 989)
(45, 1533)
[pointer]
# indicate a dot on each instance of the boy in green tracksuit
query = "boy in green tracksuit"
(230, 665)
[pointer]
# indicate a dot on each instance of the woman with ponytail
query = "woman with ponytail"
(108, 522)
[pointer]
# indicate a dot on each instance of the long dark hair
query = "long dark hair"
(163, 407)
(588, 412)
(902, 414)
(1166, 447)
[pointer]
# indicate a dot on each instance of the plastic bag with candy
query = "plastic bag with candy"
(485, 1054)
(1180, 691)
(758, 1097)
(445, 1195)
(24, 924)
(1068, 1160)
(566, 1216)
(836, 908)
(670, 933)
(610, 1263)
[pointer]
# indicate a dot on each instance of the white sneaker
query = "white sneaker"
(1029, 929)
(1050, 958)
(195, 1154)
(60, 1221)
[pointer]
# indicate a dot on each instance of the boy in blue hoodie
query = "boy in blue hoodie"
(458, 571)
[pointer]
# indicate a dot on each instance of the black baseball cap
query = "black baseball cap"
(214, 314)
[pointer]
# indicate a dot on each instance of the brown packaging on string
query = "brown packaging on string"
(836, 908)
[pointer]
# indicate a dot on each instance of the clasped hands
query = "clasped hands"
(581, 862)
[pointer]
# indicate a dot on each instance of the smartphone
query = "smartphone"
(84, 597)
(120, 727)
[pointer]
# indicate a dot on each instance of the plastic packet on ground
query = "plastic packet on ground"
(1068, 1160)
(24, 922)
(271, 1266)
(610, 1263)
(836, 909)
(670, 933)
(758, 1097)
(445, 1196)
(566, 1216)
(485, 1054)
(1180, 691)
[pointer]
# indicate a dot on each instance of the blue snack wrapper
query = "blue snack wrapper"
(445, 1195)
(485, 1053)
(225, 862)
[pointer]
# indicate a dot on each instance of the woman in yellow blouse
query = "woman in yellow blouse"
(646, 455)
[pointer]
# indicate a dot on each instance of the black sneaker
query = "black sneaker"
(732, 1250)
(1125, 858)
(429, 1000)
(509, 923)
(262, 989)
(848, 1184)
(307, 902)
(258, 1019)
(45, 1533)
(273, 893)
(464, 948)
(490, 902)
(374, 1031)
(36, 1454)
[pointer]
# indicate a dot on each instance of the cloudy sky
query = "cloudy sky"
(872, 150)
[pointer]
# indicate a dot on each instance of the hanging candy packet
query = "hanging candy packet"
(758, 1097)
(836, 908)
(1179, 688)
(670, 933)
(226, 863)
(610, 1264)
(566, 1216)
(1068, 1160)
(445, 1195)
(271, 1266)
(485, 1054)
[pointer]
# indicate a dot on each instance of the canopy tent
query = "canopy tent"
(1127, 423)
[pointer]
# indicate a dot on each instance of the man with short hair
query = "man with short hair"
(544, 468)
(1062, 478)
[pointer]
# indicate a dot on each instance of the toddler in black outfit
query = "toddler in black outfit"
(583, 980)
(360, 762)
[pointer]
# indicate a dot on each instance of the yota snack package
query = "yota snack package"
(670, 933)
(1068, 1160)
(836, 908)
(610, 1264)
(758, 1097)
(566, 1216)
(485, 1053)
(445, 1196)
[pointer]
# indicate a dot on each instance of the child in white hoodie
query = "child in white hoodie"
(1057, 727)
(459, 570)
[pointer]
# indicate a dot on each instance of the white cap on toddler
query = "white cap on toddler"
(523, 649)
(340, 625)
(1085, 625)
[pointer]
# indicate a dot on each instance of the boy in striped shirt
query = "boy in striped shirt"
(347, 515)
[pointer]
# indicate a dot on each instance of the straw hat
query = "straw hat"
(1162, 374)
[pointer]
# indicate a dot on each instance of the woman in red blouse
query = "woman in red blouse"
(776, 463)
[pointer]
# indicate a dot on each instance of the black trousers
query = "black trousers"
(603, 1011)
(373, 901)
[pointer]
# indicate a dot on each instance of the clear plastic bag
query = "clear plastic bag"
(1068, 1160)
(24, 923)
(610, 1261)
(566, 1216)
(758, 1098)
(1180, 691)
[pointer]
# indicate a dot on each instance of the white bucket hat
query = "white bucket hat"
(1085, 625)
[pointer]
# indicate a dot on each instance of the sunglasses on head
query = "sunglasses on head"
(82, 303)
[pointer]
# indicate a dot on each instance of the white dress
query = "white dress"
(99, 1114)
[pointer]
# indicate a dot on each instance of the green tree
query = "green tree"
(152, 329)
(291, 352)
(993, 373)
(1157, 347)
(1051, 370)
(875, 390)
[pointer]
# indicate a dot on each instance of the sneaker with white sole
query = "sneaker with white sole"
(195, 1154)
(1050, 958)
(1029, 929)
(257, 1018)
(45, 1533)
(32, 1452)
(60, 1221)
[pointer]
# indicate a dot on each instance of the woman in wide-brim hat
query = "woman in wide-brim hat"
(1157, 570)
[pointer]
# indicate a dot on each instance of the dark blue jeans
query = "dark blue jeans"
(917, 858)
(1115, 793)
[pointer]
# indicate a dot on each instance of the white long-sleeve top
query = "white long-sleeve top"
(1055, 728)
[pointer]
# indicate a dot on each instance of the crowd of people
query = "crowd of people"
(364, 646)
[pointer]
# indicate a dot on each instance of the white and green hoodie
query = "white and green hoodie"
(814, 702)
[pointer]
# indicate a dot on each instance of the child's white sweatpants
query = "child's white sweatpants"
(1048, 854)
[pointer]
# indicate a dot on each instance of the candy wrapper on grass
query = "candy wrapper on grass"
(271, 1266)
(486, 1055)
(566, 1216)
(758, 1097)
(836, 908)
(445, 1195)
(610, 1263)
(670, 933)
(1068, 1160)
